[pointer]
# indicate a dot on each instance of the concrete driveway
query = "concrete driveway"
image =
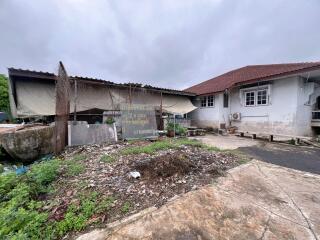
(254, 201)
(296, 157)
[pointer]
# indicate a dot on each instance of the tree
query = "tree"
(4, 94)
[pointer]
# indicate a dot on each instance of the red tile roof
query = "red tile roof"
(249, 74)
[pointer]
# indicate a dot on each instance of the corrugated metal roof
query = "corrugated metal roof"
(48, 75)
(249, 74)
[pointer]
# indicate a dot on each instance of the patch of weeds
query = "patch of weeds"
(75, 169)
(77, 216)
(149, 149)
(20, 215)
(107, 158)
(196, 143)
(105, 204)
(44, 173)
(166, 144)
(21, 212)
(125, 207)
(79, 157)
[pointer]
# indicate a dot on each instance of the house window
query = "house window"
(210, 101)
(225, 100)
(203, 101)
(262, 97)
(250, 98)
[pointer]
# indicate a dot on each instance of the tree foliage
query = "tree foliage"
(4, 94)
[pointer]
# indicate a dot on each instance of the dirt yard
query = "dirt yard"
(166, 168)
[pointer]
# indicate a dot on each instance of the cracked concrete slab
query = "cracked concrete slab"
(229, 142)
(254, 201)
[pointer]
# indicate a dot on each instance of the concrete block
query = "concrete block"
(82, 133)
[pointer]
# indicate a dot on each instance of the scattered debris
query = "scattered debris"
(135, 174)
(136, 181)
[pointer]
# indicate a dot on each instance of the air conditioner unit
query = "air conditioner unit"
(235, 116)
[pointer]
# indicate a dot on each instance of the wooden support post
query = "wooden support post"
(254, 136)
(271, 138)
(75, 101)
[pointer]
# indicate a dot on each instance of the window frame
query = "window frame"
(203, 100)
(262, 90)
(225, 100)
(255, 92)
(213, 100)
(254, 98)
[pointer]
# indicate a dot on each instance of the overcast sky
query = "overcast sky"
(173, 44)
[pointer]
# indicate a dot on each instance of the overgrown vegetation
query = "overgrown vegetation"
(177, 128)
(75, 165)
(107, 158)
(4, 94)
(22, 215)
(166, 144)
(126, 207)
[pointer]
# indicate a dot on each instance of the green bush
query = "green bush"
(20, 215)
(179, 130)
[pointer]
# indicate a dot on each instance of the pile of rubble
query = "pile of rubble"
(143, 180)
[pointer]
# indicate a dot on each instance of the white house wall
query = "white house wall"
(210, 116)
(288, 111)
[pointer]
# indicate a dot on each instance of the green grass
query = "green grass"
(79, 157)
(74, 169)
(21, 213)
(107, 158)
(75, 166)
(166, 144)
(125, 207)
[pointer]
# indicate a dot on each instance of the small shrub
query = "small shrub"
(107, 158)
(179, 130)
(44, 173)
(125, 207)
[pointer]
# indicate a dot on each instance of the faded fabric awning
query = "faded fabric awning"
(177, 105)
(36, 98)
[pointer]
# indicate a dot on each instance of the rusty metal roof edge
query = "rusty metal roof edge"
(39, 74)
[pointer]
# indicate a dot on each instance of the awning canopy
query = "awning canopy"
(177, 105)
(36, 98)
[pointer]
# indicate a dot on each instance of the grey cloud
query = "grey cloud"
(165, 43)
